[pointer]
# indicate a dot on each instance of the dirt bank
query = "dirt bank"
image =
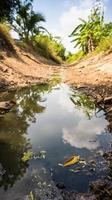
(24, 68)
(93, 73)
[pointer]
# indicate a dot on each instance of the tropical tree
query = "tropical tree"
(27, 22)
(88, 34)
(7, 8)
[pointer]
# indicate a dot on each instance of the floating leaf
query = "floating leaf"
(73, 160)
(82, 162)
(40, 155)
(27, 156)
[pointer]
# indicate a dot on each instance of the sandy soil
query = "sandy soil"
(24, 68)
(93, 72)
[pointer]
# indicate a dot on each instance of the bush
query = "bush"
(6, 42)
(75, 57)
(104, 45)
(49, 48)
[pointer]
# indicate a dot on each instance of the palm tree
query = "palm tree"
(27, 22)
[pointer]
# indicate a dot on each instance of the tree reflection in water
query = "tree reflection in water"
(13, 131)
(82, 101)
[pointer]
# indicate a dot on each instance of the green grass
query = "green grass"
(6, 41)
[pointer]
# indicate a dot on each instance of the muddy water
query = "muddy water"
(49, 124)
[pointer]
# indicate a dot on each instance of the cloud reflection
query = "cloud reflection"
(84, 134)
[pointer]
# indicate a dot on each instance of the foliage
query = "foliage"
(74, 57)
(91, 34)
(104, 45)
(26, 22)
(49, 48)
(73, 160)
(7, 8)
(6, 40)
(88, 34)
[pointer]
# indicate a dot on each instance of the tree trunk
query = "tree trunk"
(91, 45)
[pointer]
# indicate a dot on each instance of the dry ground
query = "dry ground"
(93, 71)
(24, 68)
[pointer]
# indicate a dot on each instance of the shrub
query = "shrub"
(6, 42)
(49, 48)
(75, 57)
(104, 45)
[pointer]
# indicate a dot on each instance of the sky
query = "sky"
(62, 16)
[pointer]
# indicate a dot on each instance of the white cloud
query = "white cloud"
(70, 19)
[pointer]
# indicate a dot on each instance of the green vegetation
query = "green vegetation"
(6, 40)
(26, 22)
(33, 36)
(74, 57)
(88, 34)
(93, 35)
(7, 9)
(49, 48)
(104, 45)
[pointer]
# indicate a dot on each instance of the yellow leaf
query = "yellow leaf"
(73, 160)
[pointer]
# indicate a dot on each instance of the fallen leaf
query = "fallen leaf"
(73, 160)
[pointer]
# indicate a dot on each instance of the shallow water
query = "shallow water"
(60, 121)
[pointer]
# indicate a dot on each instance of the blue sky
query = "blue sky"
(63, 15)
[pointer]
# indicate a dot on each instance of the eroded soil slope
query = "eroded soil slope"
(24, 68)
(94, 72)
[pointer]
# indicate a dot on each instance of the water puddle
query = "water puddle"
(49, 124)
